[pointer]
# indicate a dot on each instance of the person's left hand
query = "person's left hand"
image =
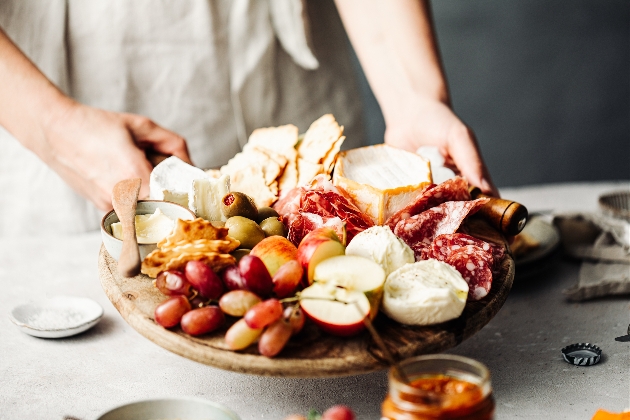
(428, 122)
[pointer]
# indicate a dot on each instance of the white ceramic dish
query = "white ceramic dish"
(114, 246)
(60, 316)
(171, 409)
(544, 233)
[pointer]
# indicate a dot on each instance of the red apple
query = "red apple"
(256, 275)
(333, 308)
(318, 245)
(275, 251)
(287, 279)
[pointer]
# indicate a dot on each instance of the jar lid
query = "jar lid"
(582, 354)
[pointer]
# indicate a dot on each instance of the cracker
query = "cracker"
(191, 230)
(158, 261)
(307, 171)
(251, 181)
(330, 159)
(319, 139)
(275, 139)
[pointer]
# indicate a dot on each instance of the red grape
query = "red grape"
(295, 317)
(232, 278)
(202, 278)
(263, 314)
(275, 338)
(338, 412)
(202, 320)
(256, 275)
(173, 282)
(240, 336)
(170, 312)
(287, 279)
(238, 302)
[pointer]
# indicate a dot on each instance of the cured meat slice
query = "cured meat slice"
(300, 223)
(455, 189)
(475, 266)
(420, 230)
(444, 245)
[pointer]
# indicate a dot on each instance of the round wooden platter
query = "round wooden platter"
(311, 353)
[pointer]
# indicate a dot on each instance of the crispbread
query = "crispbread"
(319, 139)
(192, 230)
(307, 171)
(225, 246)
(169, 260)
(329, 160)
(251, 181)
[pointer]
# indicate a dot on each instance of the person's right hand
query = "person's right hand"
(93, 149)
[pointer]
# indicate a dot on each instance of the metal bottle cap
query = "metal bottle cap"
(582, 354)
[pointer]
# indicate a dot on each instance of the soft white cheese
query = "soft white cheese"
(205, 196)
(171, 180)
(380, 245)
(424, 293)
(150, 228)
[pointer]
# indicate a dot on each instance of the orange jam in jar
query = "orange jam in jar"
(439, 387)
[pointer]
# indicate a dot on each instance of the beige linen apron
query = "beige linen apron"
(210, 70)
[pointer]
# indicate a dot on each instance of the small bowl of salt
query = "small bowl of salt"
(60, 316)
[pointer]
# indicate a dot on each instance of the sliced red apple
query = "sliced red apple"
(275, 251)
(317, 246)
(334, 309)
(354, 273)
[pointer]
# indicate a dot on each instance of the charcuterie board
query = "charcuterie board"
(312, 353)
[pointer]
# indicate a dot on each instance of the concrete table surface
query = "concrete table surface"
(111, 364)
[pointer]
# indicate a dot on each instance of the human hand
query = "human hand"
(92, 149)
(428, 122)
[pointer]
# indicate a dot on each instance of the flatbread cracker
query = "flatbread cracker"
(307, 171)
(276, 139)
(158, 261)
(251, 181)
(191, 230)
(329, 161)
(319, 139)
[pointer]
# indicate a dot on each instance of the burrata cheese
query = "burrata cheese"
(424, 293)
(380, 245)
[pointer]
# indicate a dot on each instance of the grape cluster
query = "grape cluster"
(199, 300)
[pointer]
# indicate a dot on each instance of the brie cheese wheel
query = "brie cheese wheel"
(380, 245)
(381, 179)
(171, 180)
(424, 293)
(204, 198)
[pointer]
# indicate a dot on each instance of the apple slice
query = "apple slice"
(275, 251)
(354, 273)
(333, 308)
(318, 245)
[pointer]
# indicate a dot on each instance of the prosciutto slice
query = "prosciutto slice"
(300, 223)
(455, 189)
(420, 230)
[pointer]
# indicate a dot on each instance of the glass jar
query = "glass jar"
(441, 386)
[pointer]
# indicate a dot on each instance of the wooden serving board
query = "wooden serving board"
(311, 353)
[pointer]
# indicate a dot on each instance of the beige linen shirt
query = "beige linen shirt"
(210, 70)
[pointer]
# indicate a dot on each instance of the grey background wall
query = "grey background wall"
(545, 84)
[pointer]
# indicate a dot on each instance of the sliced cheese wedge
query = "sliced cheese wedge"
(205, 195)
(381, 179)
(171, 180)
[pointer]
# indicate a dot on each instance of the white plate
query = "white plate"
(60, 316)
(171, 408)
(544, 233)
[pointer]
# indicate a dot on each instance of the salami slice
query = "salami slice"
(475, 266)
(444, 245)
(455, 189)
(420, 230)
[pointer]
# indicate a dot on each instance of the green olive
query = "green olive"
(238, 204)
(240, 253)
(265, 213)
(272, 226)
(244, 230)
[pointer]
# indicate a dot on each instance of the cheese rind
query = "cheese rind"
(171, 180)
(381, 179)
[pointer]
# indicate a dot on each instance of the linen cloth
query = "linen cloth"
(210, 70)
